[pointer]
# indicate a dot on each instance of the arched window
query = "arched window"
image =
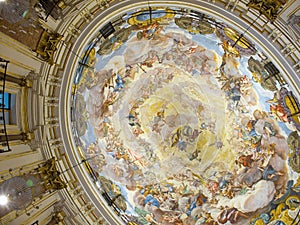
(8, 108)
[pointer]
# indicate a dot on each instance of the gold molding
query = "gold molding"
(25, 168)
(18, 155)
(23, 109)
(7, 41)
(40, 211)
(17, 63)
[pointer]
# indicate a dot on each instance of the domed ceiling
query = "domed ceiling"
(185, 121)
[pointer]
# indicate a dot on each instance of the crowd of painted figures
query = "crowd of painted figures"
(253, 177)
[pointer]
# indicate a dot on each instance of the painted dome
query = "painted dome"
(185, 121)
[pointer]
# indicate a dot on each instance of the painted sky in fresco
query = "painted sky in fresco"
(188, 124)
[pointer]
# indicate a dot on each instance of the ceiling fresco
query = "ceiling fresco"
(184, 121)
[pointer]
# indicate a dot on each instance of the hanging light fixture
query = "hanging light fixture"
(3, 200)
